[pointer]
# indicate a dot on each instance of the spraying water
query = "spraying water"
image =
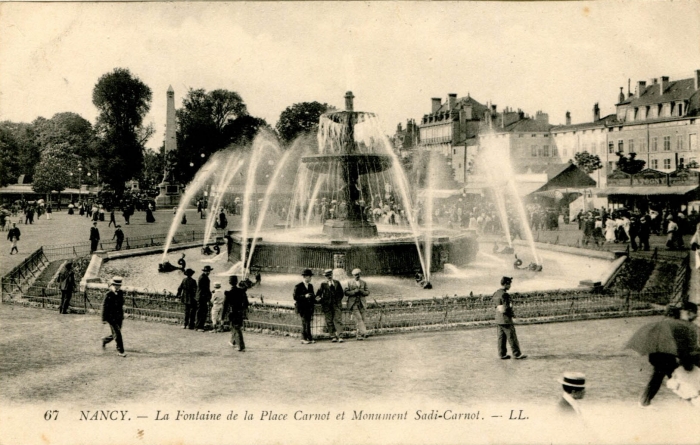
(233, 164)
(192, 188)
(429, 209)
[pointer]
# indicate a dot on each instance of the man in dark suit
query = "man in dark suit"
(113, 314)
(66, 283)
(236, 305)
(119, 236)
(504, 321)
(203, 297)
(304, 301)
(188, 296)
(330, 294)
(94, 237)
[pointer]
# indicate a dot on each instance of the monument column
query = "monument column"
(170, 191)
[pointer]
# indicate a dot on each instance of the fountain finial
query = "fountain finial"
(348, 101)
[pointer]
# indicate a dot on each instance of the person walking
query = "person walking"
(94, 237)
(236, 305)
(119, 236)
(49, 211)
(217, 308)
(643, 232)
(504, 321)
(356, 290)
(66, 283)
(187, 292)
(112, 218)
(113, 314)
(203, 298)
(330, 294)
(13, 235)
(304, 302)
(149, 214)
(126, 214)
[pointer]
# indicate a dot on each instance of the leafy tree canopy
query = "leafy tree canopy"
(587, 162)
(9, 157)
(28, 151)
(123, 101)
(53, 171)
(631, 164)
(300, 118)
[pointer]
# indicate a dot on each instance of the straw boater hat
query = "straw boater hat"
(117, 280)
(328, 273)
(356, 271)
(573, 379)
(217, 285)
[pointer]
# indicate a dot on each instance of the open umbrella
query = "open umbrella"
(669, 336)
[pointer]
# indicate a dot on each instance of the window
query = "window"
(520, 135)
(555, 151)
(679, 142)
(533, 151)
(642, 145)
(655, 164)
(602, 148)
(593, 148)
(667, 144)
(611, 147)
(454, 151)
(667, 164)
(621, 146)
(545, 150)
(565, 152)
(534, 135)
(611, 166)
(630, 144)
(654, 144)
(584, 147)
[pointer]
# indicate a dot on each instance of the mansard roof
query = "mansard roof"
(682, 89)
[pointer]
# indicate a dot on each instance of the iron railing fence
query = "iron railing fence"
(383, 316)
(17, 281)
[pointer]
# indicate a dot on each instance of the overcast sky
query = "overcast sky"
(394, 56)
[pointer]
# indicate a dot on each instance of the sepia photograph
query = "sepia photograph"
(381, 222)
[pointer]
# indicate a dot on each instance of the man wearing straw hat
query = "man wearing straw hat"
(203, 297)
(574, 386)
(331, 295)
(356, 290)
(504, 321)
(113, 314)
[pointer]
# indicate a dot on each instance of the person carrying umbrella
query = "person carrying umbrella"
(667, 343)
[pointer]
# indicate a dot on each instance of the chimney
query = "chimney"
(521, 114)
(641, 87)
(621, 97)
(568, 118)
(697, 80)
(348, 101)
(664, 83)
(398, 128)
(596, 112)
(436, 104)
(654, 81)
(451, 100)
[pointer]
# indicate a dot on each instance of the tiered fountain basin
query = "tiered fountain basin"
(392, 252)
(563, 270)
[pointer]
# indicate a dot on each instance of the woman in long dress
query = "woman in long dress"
(149, 214)
(610, 231)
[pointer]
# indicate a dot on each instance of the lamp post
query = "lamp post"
(80, 182)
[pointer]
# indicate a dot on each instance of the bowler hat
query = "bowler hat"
(207, 268)
(307, 273)
(573, 379)
(242, 284)
(506, 280)
(328, 273)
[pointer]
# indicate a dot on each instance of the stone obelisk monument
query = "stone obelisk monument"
(170, 190)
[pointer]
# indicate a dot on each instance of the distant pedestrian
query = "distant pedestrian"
(187, 292)
(66, 284)
(126, 214)
(149, 214)
(203, 298)
(13, 235)
(217, 308)
(330, 293)
(236, 305)
(94, 237)
(112, 219)
(113, 314)
(119, 236)
(574, 386)
(49, 211)
(504, 321)
(182, 263)
(356, 290)
(304, 301)
(223, 221)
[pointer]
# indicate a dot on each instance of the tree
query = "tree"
(300, 118)
(242, 131)
(28, 151)
(587, 162)
(123, 101)
(207, 123)
(53, 171)
(629, 165)
(9, 157)
(153, 167)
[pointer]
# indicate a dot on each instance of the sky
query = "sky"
(394, 56)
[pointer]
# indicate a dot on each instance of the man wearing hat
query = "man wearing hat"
(356, 290)
(113, 313)
(94, 237)
(304, 301)
(203, 298)
(119, 236)
(217, 308)
(504, 321)
(66, 283)
(188, 296)
(236, 304)
(574, 385)
(330, 294)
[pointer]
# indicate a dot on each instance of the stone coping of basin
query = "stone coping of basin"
(600, 254)
(92, 273)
